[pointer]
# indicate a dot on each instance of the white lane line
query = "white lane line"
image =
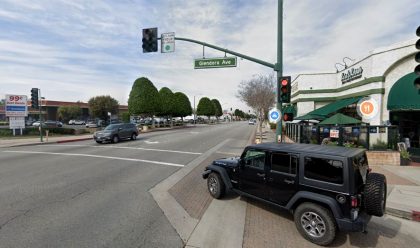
(125, 147)
(97, 156)
(151, 142)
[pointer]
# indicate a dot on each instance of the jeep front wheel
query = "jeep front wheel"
(375, 194)
(315, 223)
(215, 185)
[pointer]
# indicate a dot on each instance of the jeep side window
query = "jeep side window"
(283, 162)
(254, 159)
(322, 169)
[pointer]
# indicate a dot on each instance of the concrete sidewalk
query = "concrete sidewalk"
(36, 141)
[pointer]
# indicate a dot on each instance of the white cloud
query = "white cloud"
(74, 50)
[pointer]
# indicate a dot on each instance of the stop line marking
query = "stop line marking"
(126, 147)
(97, 156)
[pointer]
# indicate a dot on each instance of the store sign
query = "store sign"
(16, 122)
(334, 133)
(16, 105)
(367, 108)
(351, 75)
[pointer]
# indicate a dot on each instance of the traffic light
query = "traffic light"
(149, 40)
(34, 98)
(284, 89)
(287, 117)
(417, 58)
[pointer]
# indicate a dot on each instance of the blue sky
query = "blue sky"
(74, 50)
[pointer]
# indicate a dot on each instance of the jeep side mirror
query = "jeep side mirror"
(119, 129)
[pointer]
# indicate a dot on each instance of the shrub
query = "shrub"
(380, 145)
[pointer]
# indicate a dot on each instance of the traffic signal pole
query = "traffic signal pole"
(40, 113)
(279, 66)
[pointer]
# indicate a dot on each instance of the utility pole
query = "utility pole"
(279, 65)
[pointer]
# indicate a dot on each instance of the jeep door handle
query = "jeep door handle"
(289, 181)
(261, 174)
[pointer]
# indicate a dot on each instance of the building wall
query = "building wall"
(381, 69)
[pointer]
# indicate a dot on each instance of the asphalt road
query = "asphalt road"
(84, 194)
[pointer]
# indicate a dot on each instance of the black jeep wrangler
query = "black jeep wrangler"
(327, 188)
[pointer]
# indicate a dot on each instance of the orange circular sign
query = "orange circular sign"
(367, 108)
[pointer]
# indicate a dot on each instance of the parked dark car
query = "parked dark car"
(327, 188)
(116, 132)
(52, 124)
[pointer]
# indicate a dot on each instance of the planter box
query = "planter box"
(383, 158)
(405, 161)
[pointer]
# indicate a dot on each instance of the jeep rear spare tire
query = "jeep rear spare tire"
(375, 194)
(215, 185)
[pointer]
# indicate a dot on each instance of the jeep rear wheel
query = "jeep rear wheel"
(133, 136)
(315, 223)
(375, 194)
(215, 185)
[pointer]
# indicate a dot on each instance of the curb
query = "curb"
(413, 215)
(72, 140)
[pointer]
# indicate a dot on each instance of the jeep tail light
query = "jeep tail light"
(354, 202)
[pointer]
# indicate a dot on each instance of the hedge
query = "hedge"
(51, 131)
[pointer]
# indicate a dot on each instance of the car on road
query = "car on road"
(327, 188)
(252, 122)
(77, 122)
(36, 124)
(50, 123)
(116, 132)
(91, 124)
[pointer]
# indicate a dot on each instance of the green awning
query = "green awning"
(334, 106)
(323, 112)
(310, 117)
(404, 95)
(340, 119)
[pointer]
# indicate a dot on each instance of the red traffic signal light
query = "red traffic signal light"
(287, 117)
(284, 89)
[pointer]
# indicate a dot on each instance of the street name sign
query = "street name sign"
(16, 105)
(215, 63)
(167, 42)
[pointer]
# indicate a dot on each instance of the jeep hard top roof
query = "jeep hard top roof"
(310, 148)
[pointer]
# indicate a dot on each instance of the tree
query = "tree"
(217, 108)
(125, 117)
(99, 106)
(205, 107)
(144, 98)
(167, 99)
(182, 105)
(66, 113)
(258, 93)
